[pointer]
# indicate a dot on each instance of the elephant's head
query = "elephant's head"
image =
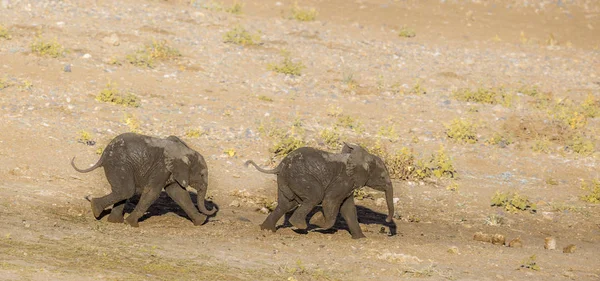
(369, 170)
(188, 168)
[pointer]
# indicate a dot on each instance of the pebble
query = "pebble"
(515, 243)
(112, 40)
(550, 243)
(234, 203)
(569, 249)
(67, 67)
(86, 56)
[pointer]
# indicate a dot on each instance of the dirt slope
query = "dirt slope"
(359, 80)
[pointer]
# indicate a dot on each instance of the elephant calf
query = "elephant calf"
(308, 177)
(138, 164)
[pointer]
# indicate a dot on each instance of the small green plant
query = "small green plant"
(462, 131)
(590, 107)
(513, 202)
(569, 114)
(407, 32)
(235, 9)
(499, 139)
(494, 220)
(485, 95)
(99, 151)
(345, 121)
(441, 164)
(265, 98)
(529, 90)
(350, 83)
(4, 83)
(581, 145)
(230, 152)
(593, 190)
(240, 36)
(418, 89)
(541, 145)
(112, 95)
(51, 49)
(286, 145)
(388, 132)
(26, 85)
(453, 186)
(194, 133)
(331, 138)
(301, 14)
(132, 122)
(147, 56)
(361, 193)
(4, 33)
(85, 137)
(287, 67)
(530, 263)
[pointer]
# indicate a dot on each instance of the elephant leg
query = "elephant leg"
(122, 185)
(298, 219)
(284, 205)
(348, 211)
(327, 219)
(116, 214)
(149, 195)
(182, 198)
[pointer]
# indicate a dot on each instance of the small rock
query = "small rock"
(234, 203)
(264, 210)
(112, 40)
(515, 243)
(569, 249)
(498, 239)
(550, 243)
(396, 200)
(67, 67)
(483, 237)
(453, 250)
(86, 56)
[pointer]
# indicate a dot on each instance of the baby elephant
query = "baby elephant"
(138, 164)
(308, 177)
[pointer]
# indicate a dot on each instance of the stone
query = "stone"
(550, 243)
(112, 40)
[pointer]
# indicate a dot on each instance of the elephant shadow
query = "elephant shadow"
(365, 216)
(163, 205)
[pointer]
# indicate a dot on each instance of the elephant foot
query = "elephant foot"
(115, 219)
(199, 221)
(299, 223)
(358, 236)
(96, 210)
(131, 221)
(318, 219)
(265, 226)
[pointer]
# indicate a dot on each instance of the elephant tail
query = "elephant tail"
(98, 164)
(274, 171)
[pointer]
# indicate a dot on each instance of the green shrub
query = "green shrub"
(112, 95)
(286, 145)
(580, 145)
(593, 190)
(530, 263)
(4, 33)
(194, 133)
(513, 202)
(265, 98)
(499, 139)
(301, 14)
(461, 131)
(404, 165)
(407, 32)
(331, 138)
(240, 36)
(287, 67)
(590, 107)
(51, 49)
(147, 56)
(4, 83)
(235, 9)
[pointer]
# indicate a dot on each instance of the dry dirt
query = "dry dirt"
(47, 229)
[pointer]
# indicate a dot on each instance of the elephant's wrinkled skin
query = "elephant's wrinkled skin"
(138, 164)
(307, 177)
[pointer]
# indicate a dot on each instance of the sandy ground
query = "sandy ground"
(356, 66)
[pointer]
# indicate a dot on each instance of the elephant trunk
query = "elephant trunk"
(200, 199)
(389, 196)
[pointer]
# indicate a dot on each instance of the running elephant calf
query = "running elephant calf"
(307, 177)
(138, 164)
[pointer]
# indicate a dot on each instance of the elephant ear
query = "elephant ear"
(359, 164)
(178, 163)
